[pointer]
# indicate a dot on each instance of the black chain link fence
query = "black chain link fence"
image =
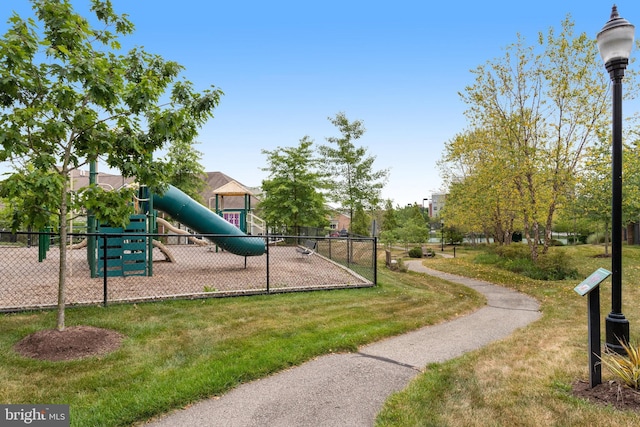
(154, 267)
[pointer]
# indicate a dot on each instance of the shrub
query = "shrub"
(595, 238)
(511, 251)
(580, 239)
(556, 266)
(517, 259)
(415, 252)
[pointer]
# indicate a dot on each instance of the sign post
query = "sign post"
(590, 287)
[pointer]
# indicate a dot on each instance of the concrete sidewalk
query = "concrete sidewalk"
(350, 389)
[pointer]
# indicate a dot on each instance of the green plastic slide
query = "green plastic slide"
(184, 209)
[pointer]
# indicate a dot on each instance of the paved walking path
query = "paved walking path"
(350, 389)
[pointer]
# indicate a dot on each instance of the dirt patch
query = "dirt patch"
(610, 393)
(75, 342)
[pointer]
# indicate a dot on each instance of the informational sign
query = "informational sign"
(592, 281)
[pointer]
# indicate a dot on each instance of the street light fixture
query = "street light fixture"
(615, 42)
(442, 234)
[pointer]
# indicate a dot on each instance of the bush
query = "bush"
(511, 251)
(517, 259)
(556, 266)
(595, 238)
(415, 252)
(580, 239)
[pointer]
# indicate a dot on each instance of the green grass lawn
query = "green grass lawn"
(179, 352)
(525, 379)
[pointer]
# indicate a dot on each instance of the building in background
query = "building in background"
(436, 204)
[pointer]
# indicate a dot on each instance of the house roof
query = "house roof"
(232, 188)
(215, 183)
(232, 191)
(80, 178)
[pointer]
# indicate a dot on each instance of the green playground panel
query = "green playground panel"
(125, 256)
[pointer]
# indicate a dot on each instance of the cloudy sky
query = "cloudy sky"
(286, 66)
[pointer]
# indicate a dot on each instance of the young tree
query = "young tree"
(360, 223)
(185, 170)
(389, 218)
(354, 179)
(68, 96)
(593, 189)
(292, 192)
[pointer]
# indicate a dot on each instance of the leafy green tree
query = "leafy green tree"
(389, 218)
(593, 189)
(292, 192)
(69, 96)
(412, 232)
(360, 223)
(541, 105)
(416, 214)
(481, 198)
(354, 179)
(185, 170)
(389, 238)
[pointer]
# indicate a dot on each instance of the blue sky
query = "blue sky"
(286, 66)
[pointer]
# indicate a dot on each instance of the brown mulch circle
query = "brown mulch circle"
(609, 393)
(74, 342)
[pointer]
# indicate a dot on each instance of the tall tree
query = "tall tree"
(546, 103)
(68, 96)
(481, 198)
(389, 218)
(293, 191)
(354, 179)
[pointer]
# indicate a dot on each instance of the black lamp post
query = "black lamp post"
(442, 235)
(615, 41)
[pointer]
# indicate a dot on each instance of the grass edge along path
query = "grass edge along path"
(179, 352)
(525, 379)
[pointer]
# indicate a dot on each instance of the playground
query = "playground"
(137, 263)
(196, 273)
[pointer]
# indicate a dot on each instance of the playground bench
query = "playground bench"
(307, 249)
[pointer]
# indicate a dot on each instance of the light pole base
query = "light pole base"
(617, 328)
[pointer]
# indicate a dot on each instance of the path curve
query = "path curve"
(350, 389)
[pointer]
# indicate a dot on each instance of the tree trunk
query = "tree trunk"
(533, 244)
(547, 227)
(631, 238)
(62, 270)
